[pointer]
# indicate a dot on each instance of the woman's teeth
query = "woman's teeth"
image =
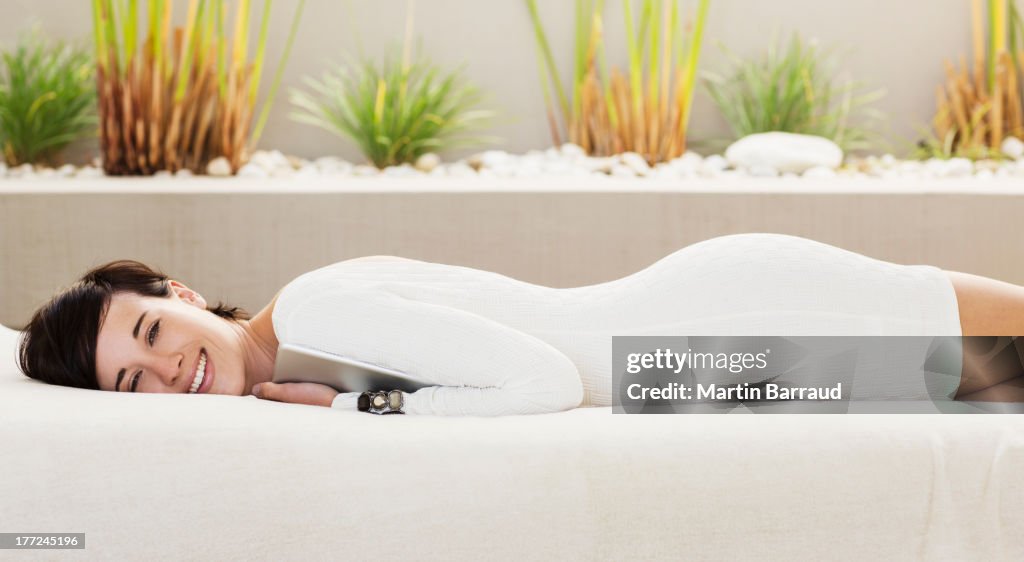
(200, 373)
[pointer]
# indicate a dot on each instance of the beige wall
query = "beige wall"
(899, 45)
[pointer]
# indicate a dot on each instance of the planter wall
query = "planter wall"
(239, 241)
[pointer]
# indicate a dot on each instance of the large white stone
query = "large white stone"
(785, 152)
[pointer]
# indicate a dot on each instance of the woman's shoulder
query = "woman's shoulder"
(376, 259)
(351, 272)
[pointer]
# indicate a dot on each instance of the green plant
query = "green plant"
(794, 91)
(47, 99)
(180, 98)
(395, 111)
(645, 111)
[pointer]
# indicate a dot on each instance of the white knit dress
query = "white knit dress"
(494, 345)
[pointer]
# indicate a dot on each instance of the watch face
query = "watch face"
(379, 401)
(395, 399)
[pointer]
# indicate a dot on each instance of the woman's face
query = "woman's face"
(152, 344)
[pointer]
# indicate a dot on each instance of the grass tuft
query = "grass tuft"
(792, 89)
(394, 111)
(47, 99)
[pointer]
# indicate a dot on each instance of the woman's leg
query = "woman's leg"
(989, 307)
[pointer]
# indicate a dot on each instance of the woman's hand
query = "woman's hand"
(311, 393)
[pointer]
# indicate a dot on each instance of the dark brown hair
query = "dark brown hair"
(58, 345)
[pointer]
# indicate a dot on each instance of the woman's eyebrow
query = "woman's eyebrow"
(135, 336)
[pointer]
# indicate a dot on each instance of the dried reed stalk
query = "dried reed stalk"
(978, 108)
(176, 102)
(645, 110)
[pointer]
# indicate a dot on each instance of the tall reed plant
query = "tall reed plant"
(793, 88)
(174, 99)
(47, 99)
(979, 106)
(645, 109)
(397, 110)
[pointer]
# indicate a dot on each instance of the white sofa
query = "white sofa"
(160, 477)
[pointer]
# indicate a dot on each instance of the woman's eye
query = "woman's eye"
(153, 331)
(135, 380)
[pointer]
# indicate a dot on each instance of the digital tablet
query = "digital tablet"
(296, 363)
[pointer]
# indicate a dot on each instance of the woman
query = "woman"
(491, 344)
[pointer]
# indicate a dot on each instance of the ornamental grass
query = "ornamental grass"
(793, 88)
(977, 108)
(181, 96)
(397, 110)
(646, 108)
(47, 99)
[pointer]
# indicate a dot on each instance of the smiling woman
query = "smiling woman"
(128, 328)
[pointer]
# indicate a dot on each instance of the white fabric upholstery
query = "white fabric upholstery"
(172, 476)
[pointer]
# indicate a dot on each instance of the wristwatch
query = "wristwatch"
(381, 402)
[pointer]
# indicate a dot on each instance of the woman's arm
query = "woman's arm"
(477, 366)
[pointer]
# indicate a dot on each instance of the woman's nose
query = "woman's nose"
(169, 368)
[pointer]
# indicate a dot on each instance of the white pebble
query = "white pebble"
(163, 174)
(253, 171)
(308, 170)
(573, 151)
(219, 167)
(957, 168)
(888, 160)
(623, 171)
(89, 172)
(427, 162)
(183, 173)
(713, 164)
(635, 162)
(819, 172)
(66, 171)
(270, 160)
(984, 175)
(402, 171)
(601, 164)
(23, 171)
(364, 170)
(492, 158)
(558, 168)
(460, 170)
(1013, 147)
(687, 165)
(331, 166)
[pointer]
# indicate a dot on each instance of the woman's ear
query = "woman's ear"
(187, 295)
